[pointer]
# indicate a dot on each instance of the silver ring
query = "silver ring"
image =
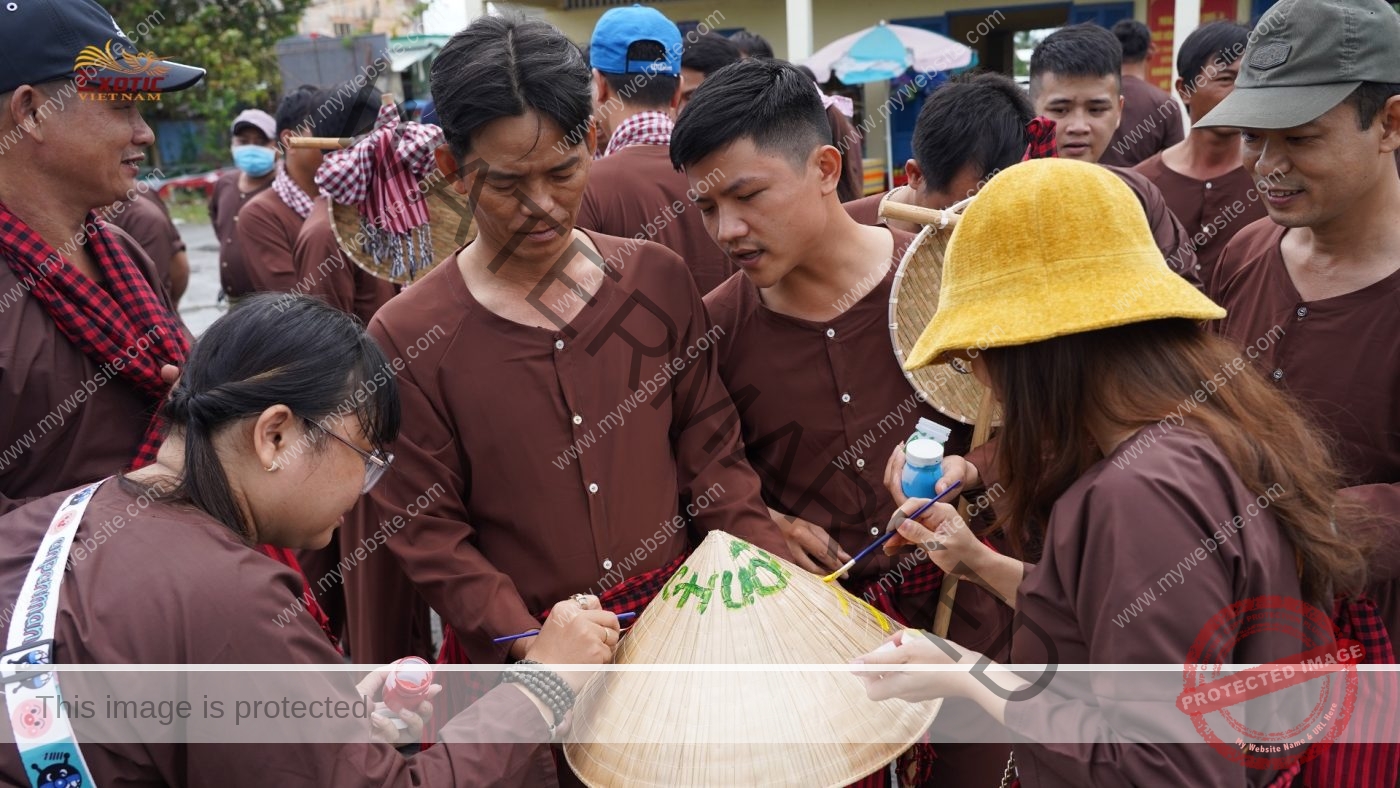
(579, 599)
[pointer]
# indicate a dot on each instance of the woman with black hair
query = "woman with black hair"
(277, 426)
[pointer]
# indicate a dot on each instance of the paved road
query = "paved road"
(199, 307)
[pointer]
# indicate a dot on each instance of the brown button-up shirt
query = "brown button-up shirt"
(823, 406)
(267, 236)
(1112, 538)
(1340, 357)
(636, 193)
(202, 596)
(1151, 123)
(324, 272)
(65, 420)
(225, 203)
(865, 210)
(146, 219)
(1212, 211)
(536, 463)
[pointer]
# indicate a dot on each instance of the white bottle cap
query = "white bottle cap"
(923, 452)
(934, 430)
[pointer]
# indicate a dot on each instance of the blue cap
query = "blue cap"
(620, 28)
(55, 39)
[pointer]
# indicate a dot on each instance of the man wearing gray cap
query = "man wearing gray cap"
(84, 329)
(1313, 292)
(254, 149)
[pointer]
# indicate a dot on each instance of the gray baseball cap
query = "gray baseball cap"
(1305, 57)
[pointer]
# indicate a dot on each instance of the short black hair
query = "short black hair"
(752, 44)
(1134, 39)
(296, 108)
(977, 120)
(1369, 99)
(1216, 43)
(709, 53)
(346, 110)
(644, 90)
(767, 101)
(1084, 50)
(502, 67)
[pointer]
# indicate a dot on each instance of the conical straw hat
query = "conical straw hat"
(449, 217)
(913, 302)
(733, 604)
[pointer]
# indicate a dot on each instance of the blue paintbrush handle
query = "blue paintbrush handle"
(511, 638)
(890, 533)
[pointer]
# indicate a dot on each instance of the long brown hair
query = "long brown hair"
(1133, 376)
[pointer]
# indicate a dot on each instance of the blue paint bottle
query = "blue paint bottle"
(923, 459)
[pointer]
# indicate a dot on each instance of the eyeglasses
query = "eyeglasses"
(376, 463)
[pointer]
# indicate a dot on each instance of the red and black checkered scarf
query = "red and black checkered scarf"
(1042, 140)
(124, 327)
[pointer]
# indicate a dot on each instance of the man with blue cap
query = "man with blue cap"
(85, 328)
(633, 191)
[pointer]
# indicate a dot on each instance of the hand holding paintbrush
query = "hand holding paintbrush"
(890, 533)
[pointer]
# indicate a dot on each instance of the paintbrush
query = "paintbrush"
(510, 638)
(890, 531)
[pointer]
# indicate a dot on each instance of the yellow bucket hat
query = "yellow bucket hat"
(1051, 247)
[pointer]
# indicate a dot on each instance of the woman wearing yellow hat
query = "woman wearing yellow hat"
(1133, 442)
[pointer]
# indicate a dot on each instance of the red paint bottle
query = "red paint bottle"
(407, 684)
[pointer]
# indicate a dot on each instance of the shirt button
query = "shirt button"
(607, 563)
(860, 463)
(830, 332)
(1302, 312)
(1278, 374)
(845, 397)
(578, 419)
(1210, 185)
(874, 530)
(558, 344)
(593, 488)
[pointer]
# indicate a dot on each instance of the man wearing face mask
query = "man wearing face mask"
(255, 157)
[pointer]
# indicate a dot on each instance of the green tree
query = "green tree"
(234, 40)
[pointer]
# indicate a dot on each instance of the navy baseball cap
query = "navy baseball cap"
(45, 40)
(620, 28)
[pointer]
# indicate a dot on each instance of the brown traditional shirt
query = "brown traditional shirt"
(866, 210)
(225, 203)
(537, 463)
(146, 219)
(1212, 211)
(267, 236)
(823, 405)
(65, 420)
(1112, 537)
(636, 193)
(203, 596)
(1151, 123)
(1339, 357)
(323, 271)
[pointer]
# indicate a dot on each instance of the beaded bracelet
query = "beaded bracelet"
(547, 686)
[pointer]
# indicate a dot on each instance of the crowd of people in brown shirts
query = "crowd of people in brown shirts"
(673, 319)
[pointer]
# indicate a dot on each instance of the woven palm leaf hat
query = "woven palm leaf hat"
(729, 606)
(1050, 247)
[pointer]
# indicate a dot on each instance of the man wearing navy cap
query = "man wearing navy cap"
(84, 328)
(633, 191)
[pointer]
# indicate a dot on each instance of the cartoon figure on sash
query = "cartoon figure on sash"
(59, 775)
(36, 679)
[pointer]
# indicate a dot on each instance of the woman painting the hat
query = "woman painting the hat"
(276, 428)
(1115, 469)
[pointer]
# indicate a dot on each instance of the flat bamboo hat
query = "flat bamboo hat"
(449, 217)
(913, 303)
(731, 605)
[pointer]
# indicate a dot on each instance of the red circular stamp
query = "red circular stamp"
(1211, 697)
